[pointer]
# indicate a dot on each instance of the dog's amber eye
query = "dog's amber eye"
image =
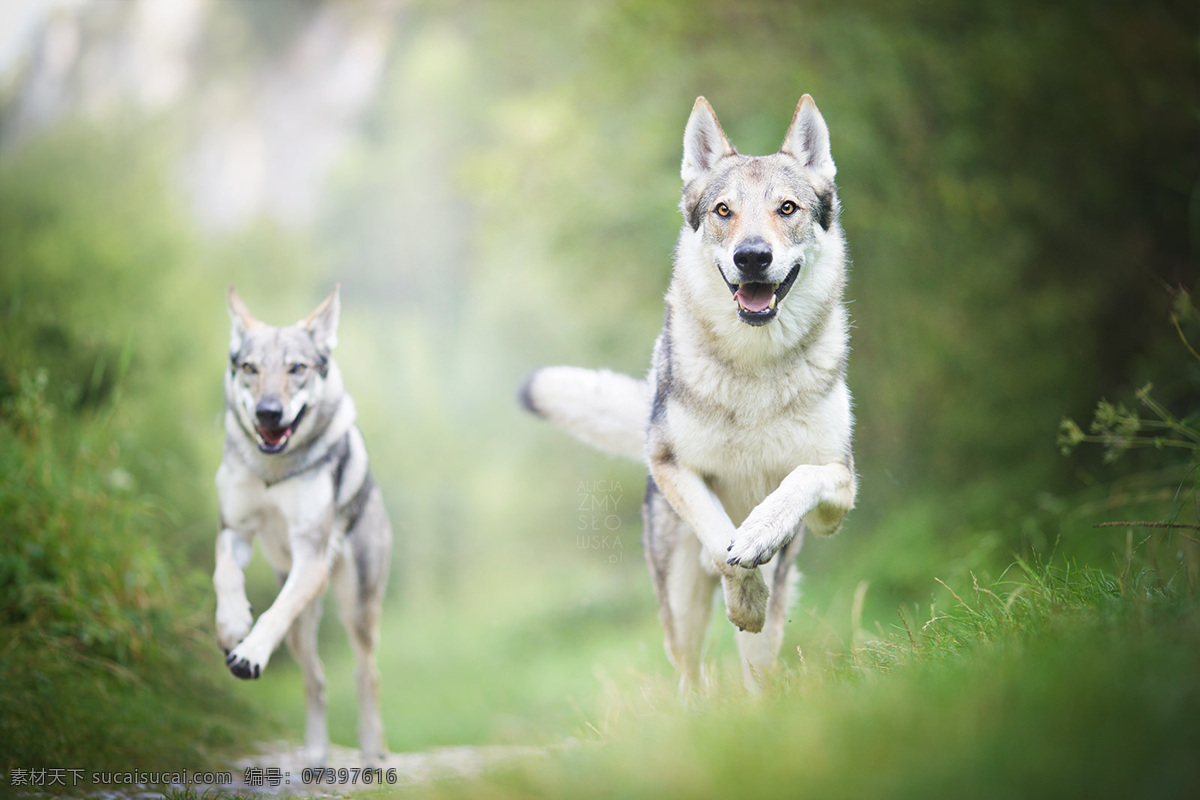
(788, 208)
(722, 210)
(249, 369)
(298, 369)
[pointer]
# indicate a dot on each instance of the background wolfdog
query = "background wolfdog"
(294, 473)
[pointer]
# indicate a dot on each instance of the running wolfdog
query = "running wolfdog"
(745, 419)
(294, 473)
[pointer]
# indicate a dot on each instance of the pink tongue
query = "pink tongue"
(272, 437)
(755, 296)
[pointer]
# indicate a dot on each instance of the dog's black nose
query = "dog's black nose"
(752, 257)
(269, 413)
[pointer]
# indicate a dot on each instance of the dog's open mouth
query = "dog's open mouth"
(274, 440)
(758, 302)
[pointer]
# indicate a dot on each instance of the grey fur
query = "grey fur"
(745, 418)
(299, 482)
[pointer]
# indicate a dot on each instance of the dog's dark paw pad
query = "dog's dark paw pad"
(242, 668)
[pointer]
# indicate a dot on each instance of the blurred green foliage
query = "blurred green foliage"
(1019, 191)
(98, 608)
(1046, 684)
(1118, 428)
(1018, 188)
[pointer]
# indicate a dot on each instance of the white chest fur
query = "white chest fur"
(744, 428)
(279, 514)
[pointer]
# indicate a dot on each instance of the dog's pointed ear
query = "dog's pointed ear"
(322, 324)
(807, 139)
(704, 143)
(241, 321)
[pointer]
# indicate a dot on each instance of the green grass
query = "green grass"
(188, 793)
(509, 666)
(100, 656)
(499, 629)
(1057, 685)
(103, 661)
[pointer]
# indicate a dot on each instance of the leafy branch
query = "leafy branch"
(1119, 429)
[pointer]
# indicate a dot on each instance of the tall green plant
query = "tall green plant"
(100, 619)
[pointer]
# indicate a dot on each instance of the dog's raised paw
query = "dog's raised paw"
(757, 540)
(243, 667)
(749, 555)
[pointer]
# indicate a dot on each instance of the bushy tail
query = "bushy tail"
(607, 410)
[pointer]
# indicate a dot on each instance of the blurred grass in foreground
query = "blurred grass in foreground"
(1052, 683)
(1012, 239)
(103, 647)
(99, 627)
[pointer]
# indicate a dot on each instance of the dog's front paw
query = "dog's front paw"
(745, 599)
(233, 624)
(752, 548)
(244, 663)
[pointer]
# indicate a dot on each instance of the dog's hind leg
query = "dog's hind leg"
(683, 586)
(302, 641)
(360, 579)
(759, 651)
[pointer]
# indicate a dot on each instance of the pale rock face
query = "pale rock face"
(262, 137)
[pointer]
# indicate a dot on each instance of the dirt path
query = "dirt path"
(279, 770)
(283, 771)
